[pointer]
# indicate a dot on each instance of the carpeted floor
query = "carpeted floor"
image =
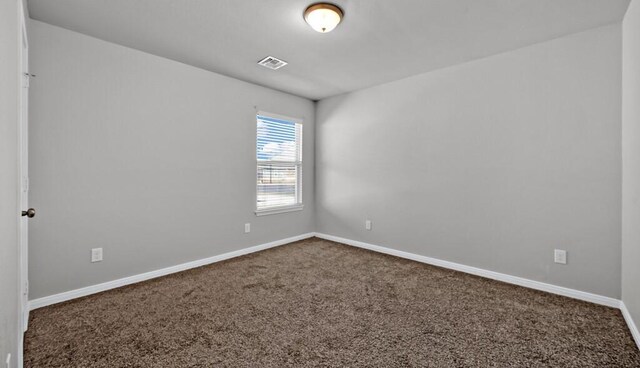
(316, 303)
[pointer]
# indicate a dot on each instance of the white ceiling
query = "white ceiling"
(378, 41)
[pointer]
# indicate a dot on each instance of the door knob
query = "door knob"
(29, 213)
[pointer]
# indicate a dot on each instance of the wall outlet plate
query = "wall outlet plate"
(96, 255)
(560, 256)
(367, 224)
(247, 228)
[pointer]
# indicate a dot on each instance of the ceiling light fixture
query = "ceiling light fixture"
(323, 17)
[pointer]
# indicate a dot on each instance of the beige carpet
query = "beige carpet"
(316, 303)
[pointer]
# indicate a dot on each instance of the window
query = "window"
(279, 164)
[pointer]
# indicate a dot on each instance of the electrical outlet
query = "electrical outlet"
(96, 255)
(247, 228)
(367, 224)
(560, 256)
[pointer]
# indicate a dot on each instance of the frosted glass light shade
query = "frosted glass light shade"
(323, 17)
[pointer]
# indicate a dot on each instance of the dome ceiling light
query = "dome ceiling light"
(323, 17)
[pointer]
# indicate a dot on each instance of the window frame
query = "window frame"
(298, 165)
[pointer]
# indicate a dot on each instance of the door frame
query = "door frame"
(23, 177)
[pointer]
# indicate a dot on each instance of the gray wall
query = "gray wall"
(492, 164)
(9, 256)
(151, 159)
(631, 161)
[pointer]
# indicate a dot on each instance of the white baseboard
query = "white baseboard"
(554, 289)
(77, 293)
(632, 326)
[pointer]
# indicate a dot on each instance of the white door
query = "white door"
(24, 175)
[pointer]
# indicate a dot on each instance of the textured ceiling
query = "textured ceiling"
(378, 41)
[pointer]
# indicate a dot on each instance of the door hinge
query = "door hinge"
(27, 79)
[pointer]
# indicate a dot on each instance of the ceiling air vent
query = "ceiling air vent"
(272, 63)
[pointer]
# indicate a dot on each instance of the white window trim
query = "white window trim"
(279, 117)
(276, 210)
(289, 208)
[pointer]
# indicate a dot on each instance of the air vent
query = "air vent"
(272, 63)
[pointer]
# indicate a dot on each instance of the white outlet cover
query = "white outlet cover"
(96, 255)
(367, 224)
(560, 256)
(247, 228)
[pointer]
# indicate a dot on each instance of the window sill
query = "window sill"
(273, 211)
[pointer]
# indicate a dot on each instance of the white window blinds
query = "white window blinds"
(279, 163)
